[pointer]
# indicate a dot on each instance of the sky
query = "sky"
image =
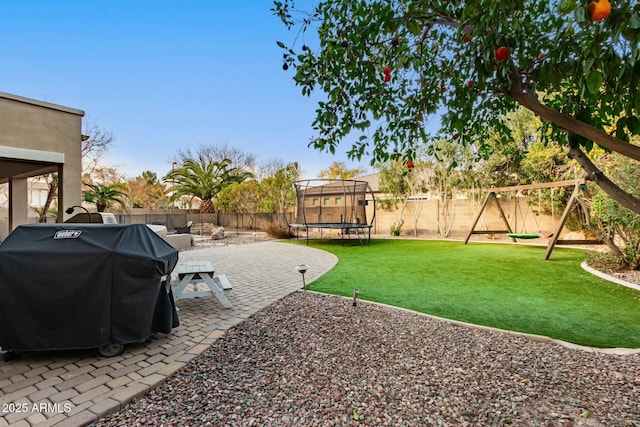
(165, 75)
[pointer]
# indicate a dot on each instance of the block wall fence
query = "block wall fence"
(422, 218)
(432, 218)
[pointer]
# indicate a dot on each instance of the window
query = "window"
(38, 197)
(326, 201)
(315, 202)
(338, 201)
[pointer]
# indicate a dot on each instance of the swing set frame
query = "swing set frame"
(580, 187)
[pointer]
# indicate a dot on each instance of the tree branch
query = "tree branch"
(596, 175)
(600, 137)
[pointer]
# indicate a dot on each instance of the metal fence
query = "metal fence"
(205, 223)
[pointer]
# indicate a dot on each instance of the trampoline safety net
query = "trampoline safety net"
(334, 204)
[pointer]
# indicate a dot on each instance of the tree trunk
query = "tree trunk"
(53, 190)
(608, 240)
(397, 226)
(207, 206)
(596, 175)
(416, 215)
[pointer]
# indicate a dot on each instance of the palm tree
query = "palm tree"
(204, 179)
(104, 195)
(150, 178)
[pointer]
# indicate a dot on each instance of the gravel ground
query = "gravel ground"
(230, 239)
(315, 360)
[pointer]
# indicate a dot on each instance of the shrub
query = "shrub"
(396, 228)
(605, 261)
(619, 224)
(278, 231)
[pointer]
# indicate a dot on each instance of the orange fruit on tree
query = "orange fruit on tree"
(410, 164)
(502, 53)
(387, 77)
(386, 70)
(599, 10)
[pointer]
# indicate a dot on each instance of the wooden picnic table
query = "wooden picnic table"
(197, 272)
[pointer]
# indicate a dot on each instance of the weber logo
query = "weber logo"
(67, 234)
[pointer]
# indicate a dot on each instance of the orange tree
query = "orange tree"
(388, 66)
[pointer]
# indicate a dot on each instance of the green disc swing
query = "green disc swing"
(537, 235)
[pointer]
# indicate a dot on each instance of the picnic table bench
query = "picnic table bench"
(200, 272)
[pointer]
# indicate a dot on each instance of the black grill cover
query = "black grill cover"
(78, 286)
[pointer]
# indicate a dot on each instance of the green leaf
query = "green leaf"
(588, 145)
(621, 134)
(356, 416)
(589, 63)
(633, 124)
(594, 82)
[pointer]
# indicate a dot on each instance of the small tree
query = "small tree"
(145, 191)
(52, 181)
(277, 191)
(105, 195)
(268, 168)
(95, 143)
(339, 170)
(442, 176)
(394, 182)
(240, 198)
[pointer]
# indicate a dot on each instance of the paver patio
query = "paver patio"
(74, 388)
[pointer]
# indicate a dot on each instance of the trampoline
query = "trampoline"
(334, 204)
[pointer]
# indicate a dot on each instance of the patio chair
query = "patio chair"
(185, 229)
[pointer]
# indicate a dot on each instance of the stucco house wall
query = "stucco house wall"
(38, 137)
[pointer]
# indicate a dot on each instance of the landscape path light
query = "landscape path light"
(302, 268)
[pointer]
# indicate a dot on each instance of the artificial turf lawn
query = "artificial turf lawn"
(497, 285)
